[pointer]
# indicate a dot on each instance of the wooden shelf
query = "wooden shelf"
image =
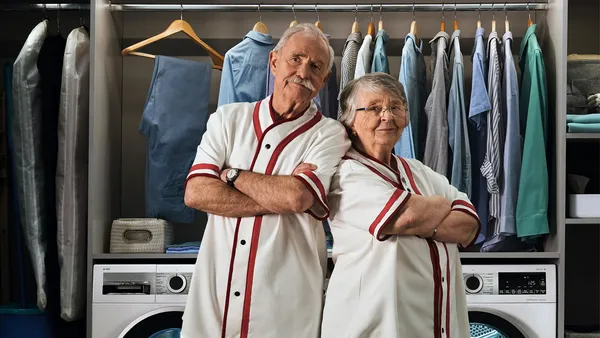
(583, 136)
(583, 221)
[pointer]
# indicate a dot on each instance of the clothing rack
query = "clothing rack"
(433, 7)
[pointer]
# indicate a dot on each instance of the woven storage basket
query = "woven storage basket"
(137, 235)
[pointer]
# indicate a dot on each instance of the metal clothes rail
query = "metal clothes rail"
(351, 7)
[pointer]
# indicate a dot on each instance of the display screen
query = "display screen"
(519, 283)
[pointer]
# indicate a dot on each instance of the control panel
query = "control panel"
(173, 283)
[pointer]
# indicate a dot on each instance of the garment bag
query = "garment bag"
(72, 174)
(29, 170)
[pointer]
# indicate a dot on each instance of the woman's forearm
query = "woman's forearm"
(419, 216)
(459, 227)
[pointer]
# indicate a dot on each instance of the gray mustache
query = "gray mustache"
(302, 82)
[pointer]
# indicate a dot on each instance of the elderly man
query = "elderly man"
(262, 172)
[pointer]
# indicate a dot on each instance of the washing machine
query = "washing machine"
(511, 301)
(136, 301)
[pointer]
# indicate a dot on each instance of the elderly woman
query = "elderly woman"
(397, 226)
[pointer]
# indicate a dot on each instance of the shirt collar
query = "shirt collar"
(260, 37)
(507, 36)
(439, 35)
(455, 35)
(384, 35)
(412, 38)
(480, 32)
(530, 31)
(356, 37)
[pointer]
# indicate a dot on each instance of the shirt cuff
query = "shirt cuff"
(468, 208)
(396, 201)
(203, 169)
(320, 209)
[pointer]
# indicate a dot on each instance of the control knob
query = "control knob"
(473, 283)
(177, 283)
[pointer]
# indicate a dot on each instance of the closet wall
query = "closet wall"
(120, 85)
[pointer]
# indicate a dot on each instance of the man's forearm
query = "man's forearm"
(278, 194)
(418, 217)
(215, 197)
(458, 227)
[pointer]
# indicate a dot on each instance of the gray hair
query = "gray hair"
(374, 83)
(306, 28)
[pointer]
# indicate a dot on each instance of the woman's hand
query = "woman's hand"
(304, 167)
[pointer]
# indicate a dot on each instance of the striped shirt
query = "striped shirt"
(492, 163)
(348, 65)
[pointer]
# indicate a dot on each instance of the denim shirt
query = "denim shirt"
(413, 78)
(458, 136)
(244, 74)
(478, 109)
(380, 60)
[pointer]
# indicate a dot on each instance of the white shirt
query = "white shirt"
(263, 276)
(390, 286)
(365, 54)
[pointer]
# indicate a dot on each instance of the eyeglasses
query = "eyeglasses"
(395, 111)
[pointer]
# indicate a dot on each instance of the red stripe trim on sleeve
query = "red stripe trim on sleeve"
(380, 218)
(468, 209)
(465, 204)
(317, 199)
(202, 166)
(318, 183)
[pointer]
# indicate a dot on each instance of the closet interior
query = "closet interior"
(119, 87)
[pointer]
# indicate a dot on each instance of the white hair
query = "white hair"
(374, 83)
(306, 28)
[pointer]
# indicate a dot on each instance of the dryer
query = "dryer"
(511, 301)
(136, 301)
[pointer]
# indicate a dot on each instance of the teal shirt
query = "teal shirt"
(532, 202)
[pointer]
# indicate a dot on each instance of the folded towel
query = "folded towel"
(184, 248)
(585, 118)
(185, 244)
(583, 127)
(187, 251)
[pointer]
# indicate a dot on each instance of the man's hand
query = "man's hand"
(304, 167)
(223, 175)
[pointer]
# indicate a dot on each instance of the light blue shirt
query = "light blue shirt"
(380, 60)
(512, 145)
(458, 136)
(244, 74)
(478, 109)
(413, 78)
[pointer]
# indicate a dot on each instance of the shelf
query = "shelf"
(124, 256)
(583, 221)
(510, 255)
(583, 136)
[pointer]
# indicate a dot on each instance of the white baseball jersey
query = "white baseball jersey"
(263, 276)
(390, 286)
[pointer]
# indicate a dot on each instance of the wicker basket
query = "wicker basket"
(139, 235)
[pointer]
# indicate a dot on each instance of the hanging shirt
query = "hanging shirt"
(244, 74)
(492, 164)
(458, 136)
(435, 154)
(327, 100)
(363, 59)
(28, 153)
(413, 77)
(390, 286)
(348, 64)
(532, 204)
(478, 110)
(247, 265)
(380, 60)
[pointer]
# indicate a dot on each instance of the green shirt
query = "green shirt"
(532, 202)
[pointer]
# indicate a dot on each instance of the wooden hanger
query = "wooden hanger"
(529, 22)
(260, 27)
(413, 25)
(295, 22)
(380, 26)
(355, 24)
(443, 23)
(455, 25)
(176, 26)
(506, 23)
(493, 19)
(479, 16)
(318, 22)
(371, 28)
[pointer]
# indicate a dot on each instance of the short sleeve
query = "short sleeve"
(210, 155)
(326, 155)
(362, 200)
(480, 101)
(460, 201)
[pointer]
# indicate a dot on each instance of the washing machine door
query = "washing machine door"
(489, 323)
(154, 321)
